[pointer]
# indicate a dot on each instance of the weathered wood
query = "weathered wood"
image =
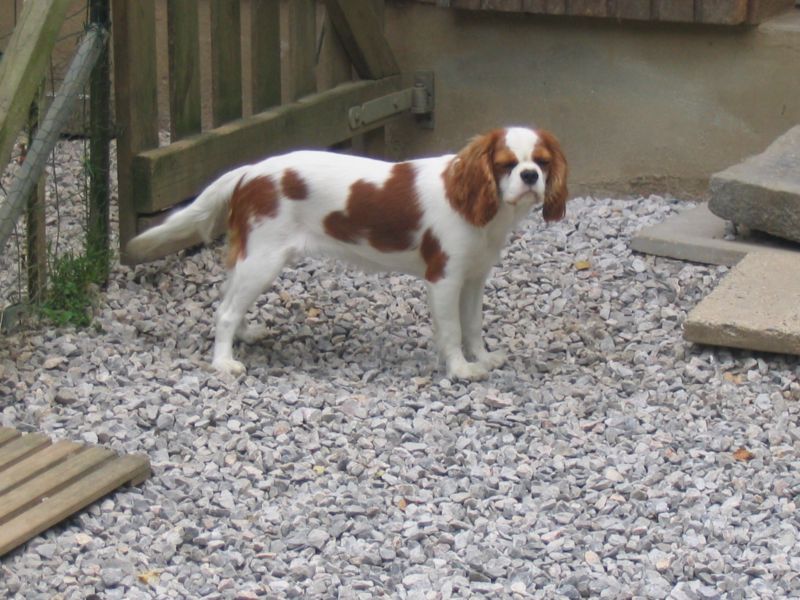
(302, 48)
(334, 65)
(7, 434)
(167, 175)
(760, 10)
(721, 12)
(63, 502)
(23, 66)
(184, 68)
(98, 229)
(31, 492)
(265, 54)
(21, 447)
(226, 61)
(587, 8)
(136, 105)
(630, 9)
(502, 5)
(361, 32)
(30, 467)
(681, 11)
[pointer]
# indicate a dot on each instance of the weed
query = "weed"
(73, 280)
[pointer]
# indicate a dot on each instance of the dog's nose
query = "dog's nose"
(529, 176)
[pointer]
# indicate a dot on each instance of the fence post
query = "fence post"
(98, 243)
(35, 234)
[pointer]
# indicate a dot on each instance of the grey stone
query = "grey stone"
(756, 306)
(763, 192)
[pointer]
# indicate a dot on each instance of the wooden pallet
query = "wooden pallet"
(42, 483)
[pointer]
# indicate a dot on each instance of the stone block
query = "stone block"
(756, 306)
(763, 192)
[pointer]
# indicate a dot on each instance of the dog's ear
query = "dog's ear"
(555, 194)
(469, 180)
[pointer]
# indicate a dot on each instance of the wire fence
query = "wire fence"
(54, 194)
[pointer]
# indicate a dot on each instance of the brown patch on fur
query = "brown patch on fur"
(293, 186)
(555, 197)
(250, 203)
(433, 255)
(470, 179)
(386, 217)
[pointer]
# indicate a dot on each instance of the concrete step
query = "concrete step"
(763, 192)
(697, 235)
(756, 306)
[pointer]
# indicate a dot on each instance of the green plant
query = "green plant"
(70, 292)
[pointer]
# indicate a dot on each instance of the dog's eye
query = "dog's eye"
(509, 166)
(542, 162)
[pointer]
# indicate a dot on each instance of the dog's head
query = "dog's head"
(512, 166)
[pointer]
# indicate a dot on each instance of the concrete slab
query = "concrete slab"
(756, 306)
(763, 192)
(697, 235)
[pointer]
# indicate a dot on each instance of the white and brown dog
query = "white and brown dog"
(444, 219)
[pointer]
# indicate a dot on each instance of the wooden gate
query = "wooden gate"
(153, 177)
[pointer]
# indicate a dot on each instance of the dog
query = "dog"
(443, 219)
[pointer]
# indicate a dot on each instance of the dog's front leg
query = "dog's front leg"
(472, 324)
(445, 308)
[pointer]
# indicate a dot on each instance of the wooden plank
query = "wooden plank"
(226, 61)
(502, 5)
(760, 10)
(679, 11)
(168, 175)
(265, 54)
(587, 8)
(721, 12)
(135, 91)
(47, 483)
(302, 48)
(334, 65)
(7, 434)
(61, 504)
(630, 9)
(549, 7)
(361, 32)
(23, 66)
(184, 68)
(34, 464)
(21, 447)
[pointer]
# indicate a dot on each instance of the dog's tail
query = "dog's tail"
(202, 221)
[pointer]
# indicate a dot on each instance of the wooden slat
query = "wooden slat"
(48, 482)
(265, 54)
(94, 485)
(630, 9)
(23, 66)
(674, 10)
(7, 434)
(587, 8)
(226, 61)
(168, 175)
(721, 12)
(302, 48)
(184, 68)
(21, 447)
(135, 91)
(361, 33)
(334, 65)
(34, 464)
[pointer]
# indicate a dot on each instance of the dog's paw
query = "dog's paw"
(467, 370)
(492, 360)
(228, 366)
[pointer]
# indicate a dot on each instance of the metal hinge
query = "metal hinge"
(418, 100)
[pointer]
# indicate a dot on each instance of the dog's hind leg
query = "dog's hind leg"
(247, 280)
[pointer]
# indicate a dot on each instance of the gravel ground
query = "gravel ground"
(608, 458)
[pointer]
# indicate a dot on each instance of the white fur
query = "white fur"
(297, 230)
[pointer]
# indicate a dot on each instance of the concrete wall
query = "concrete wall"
(639, 107)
